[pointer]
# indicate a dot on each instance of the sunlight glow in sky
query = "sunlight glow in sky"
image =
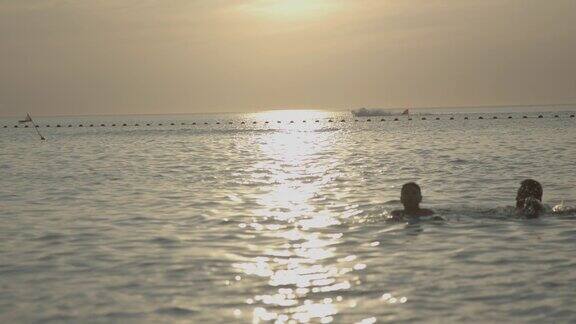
(291, 9)
(154, 57)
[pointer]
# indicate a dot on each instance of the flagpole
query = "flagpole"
(36, 128)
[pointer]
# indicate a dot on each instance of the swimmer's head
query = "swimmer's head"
(528, 188)
(411, 195)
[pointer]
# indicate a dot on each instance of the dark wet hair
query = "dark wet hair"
(529, 188)
(410, 194)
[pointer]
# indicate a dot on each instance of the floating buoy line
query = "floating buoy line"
(329, 120)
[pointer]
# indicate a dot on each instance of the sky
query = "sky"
(90, 57)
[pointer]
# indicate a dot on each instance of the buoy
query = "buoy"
(330, 120)
(5, 126)
(571, 116)
(37, 126)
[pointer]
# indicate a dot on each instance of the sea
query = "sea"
(283, 217)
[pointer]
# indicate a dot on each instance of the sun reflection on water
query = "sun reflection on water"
(302, 272)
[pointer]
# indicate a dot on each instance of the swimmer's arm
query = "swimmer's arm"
(426, 212)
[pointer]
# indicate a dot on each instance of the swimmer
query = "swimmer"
(411, 197)
(529, 199)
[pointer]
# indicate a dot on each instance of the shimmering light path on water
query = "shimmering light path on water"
(285, 222)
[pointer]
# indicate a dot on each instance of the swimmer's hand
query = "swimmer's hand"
(396, 216)
(563, 209)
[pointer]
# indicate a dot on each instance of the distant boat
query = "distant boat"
(366, 112)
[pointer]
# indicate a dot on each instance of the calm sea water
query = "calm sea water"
(285, 222)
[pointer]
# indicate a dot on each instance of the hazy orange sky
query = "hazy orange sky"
(176, 56)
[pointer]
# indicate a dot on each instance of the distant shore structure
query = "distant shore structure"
(372, 112)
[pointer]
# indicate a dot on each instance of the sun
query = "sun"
(291, 9)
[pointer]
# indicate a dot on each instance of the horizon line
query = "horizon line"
(303, 109)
